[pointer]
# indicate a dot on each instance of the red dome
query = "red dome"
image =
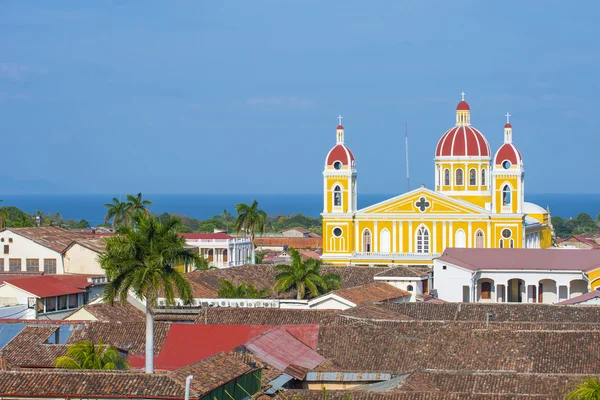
(508, 126)
(509, 152)
(463, 140)
(463, 106)
(340, 127)
(340, 153)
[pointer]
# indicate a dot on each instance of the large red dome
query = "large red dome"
(508, 152)
(463, 140)
(340, 153)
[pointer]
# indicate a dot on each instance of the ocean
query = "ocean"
(203, 206)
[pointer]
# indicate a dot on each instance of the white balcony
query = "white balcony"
(395, 256)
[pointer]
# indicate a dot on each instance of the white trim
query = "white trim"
(329, 296)
(429, 241)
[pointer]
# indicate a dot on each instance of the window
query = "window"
(459, 177)
(50, 304)
(512, 243)
(410, 288)
(506, 195)
(444, 267)
(225, 255)
(50, 266)
(506, 164)
(483, 177)
(73, 301)
(486, 290)
(32, 265)
(1, 264)
(506, 233)
(337, 232)
(479, 239)
(384, 241)
(423, 240)
(460, 239)
(14, 264)
(337, 165)
(367, 241)
(447, 177)
(466, 294)
(501, 243)
(6, 249)
(337, 196)
(472, 177)
(62, 302)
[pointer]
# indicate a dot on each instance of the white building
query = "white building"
(512, 275)
(51, 250)
(221, 250)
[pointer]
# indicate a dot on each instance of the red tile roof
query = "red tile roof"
(293, 242)
(52, 237)
(522, 259)
(581, 298)
(581, 239)
(51, 285)
(371, 292)
(201, 235)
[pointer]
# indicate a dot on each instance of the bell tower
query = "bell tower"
(508, 176)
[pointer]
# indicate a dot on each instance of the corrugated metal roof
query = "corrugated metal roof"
(8, 332)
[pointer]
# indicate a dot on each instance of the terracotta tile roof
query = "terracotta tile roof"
(293, 242)
(368, 395)
(26, 349)
(372, 312)
(53, 237)
(97, 244)
(50, 285)
(594, 294)
(522, 259)
(205, 284)
(371, 292)
(581, 239)
(265, 316)
(117, 312)
(403, 271)
(298, 228)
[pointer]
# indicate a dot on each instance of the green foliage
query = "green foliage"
(580, 225)
(136, 204)
(228, 290)
(303, 275)
(18, 218)
(250, 219)
(143, 260)
(588, 389)
(118, 212)
(85, 355)
(294, 221)
(202, 264)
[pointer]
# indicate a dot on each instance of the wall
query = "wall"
(11, 292)
(81, 315)
(449, 282)
(81, 260)
(23, 248)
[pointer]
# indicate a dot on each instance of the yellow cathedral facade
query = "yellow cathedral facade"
(477, 201)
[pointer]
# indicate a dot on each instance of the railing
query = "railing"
(220, 241)
(395, 256)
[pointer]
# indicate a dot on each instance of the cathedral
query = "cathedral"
(477, 201)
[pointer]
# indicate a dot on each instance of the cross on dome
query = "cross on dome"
(507, 118)
(462, 95)
(340, 119)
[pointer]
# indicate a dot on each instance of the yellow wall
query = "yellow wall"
(594, 277)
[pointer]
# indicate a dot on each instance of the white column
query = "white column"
(401, 241)
(495, 292)
(394, 236)
(433, 243)
(375, 237)
(444, 233)
(450, 236)
(324, 194)
(356, 248)
(489, 234)
(410, 237)
(470, 230)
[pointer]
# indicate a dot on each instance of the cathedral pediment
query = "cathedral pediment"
(422, 201)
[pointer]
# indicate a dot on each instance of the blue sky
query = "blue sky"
(242, 97)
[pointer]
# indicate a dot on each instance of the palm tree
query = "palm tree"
(142, 261)
(3, 216)
(305, 275)
(136, 204)
(84, 355)
(588, 389)
(250, 220)
(118, 211)
(228, 290)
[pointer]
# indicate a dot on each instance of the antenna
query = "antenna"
(406, 145)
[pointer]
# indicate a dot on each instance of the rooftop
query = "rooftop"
(51, 285)
(371, 292)
(53, 237)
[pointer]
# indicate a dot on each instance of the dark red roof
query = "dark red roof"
(508, 126)
(463, 106)
(340, 153)
(509, 152)
(340, 127)
(219, 235)
(463, 140)
(51, 285)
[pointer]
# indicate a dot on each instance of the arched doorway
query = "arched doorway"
(547, 291)
(211, 255)
(460, 239)
(225, 255)
(486, 290)
(577, 287)
(515, 290)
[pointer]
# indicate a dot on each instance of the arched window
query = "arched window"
(225, 255)
(479, 239)
(483, 177)
(459, 177)
(472, 177)
(506, 195)
(460, 239)
(423, 240)
(486, 290)
(337, 195)
(409, 288)
(384, 241)
(512, 243)
(501, 243)
(367, 241)
(446, 177)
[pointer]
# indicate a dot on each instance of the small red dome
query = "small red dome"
(463, 140)
(340, 127)
(340, 153)
(509, 152)
(463, 106)
(508, 126)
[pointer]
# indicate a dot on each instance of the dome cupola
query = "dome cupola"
(508, 155)
(340, 155)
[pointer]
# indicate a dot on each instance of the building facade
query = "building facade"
(477, 202)
(221, 250)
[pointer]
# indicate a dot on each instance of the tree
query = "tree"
(250, 220)
(84, 355)
(118, 211)
(227, 290)
(588, 389)
(303, 275)
(135, 204)
(142, 261)
(3, 216)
